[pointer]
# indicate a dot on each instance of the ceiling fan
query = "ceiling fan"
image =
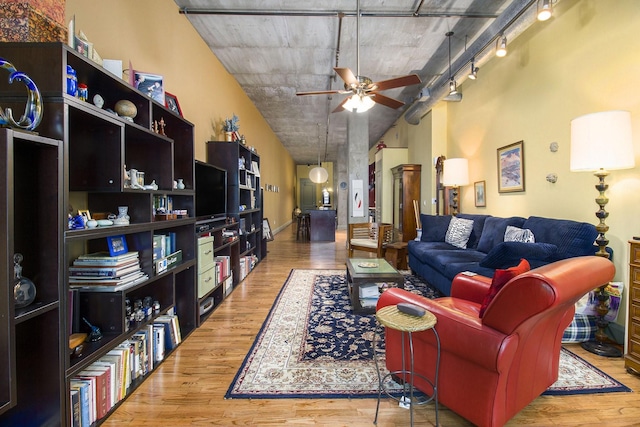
(365, 93)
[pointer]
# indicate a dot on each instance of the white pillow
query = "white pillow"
(515, 234)
(458, 232)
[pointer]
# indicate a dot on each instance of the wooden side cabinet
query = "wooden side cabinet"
(632, 358)
(406, 189)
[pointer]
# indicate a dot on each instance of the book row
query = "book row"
(101, 385)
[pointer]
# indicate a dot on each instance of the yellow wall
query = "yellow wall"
(584, 60)
(302, 172)
(157, 39)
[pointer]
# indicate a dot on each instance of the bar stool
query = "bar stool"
(393, 318)
(302, 230)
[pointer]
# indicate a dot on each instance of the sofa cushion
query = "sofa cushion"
(571, 237)
(434, 227)
(458, 232)
(494, 229)
(478, 226)
(500, 278)
(442, 259)
(515, 234)
(508, 254)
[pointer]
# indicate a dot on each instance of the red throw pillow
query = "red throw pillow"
(500, 278)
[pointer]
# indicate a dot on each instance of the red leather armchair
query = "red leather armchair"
(492, 367)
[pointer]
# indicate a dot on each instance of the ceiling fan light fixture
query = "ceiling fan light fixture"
(359, 103)
(545, 10)
(501, 46)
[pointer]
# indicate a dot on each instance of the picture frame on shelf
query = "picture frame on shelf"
(85, 214)
(150, 84)
(117, 245)
(171, 102)
(479, 188)
(511, 168)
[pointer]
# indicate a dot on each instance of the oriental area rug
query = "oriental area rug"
(311, 345)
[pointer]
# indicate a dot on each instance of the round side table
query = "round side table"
(393, 318)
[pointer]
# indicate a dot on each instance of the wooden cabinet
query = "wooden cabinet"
(406, 189)
(386, 160)
(88, 173)
(244, 202)
(632, 357)
(31, 337)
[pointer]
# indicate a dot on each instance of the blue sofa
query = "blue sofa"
(438, 262)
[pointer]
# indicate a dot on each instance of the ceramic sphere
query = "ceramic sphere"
(126, 108)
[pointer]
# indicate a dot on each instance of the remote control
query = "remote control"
(410, 309)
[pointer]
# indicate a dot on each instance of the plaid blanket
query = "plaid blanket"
(582, 328)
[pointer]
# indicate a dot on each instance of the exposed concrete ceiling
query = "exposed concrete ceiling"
(275, 48)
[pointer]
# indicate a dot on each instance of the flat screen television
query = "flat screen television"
(211, 191)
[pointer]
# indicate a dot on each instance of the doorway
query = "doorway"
(307, 195)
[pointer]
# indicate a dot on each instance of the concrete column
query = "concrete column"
(342, 187)
(358, 161)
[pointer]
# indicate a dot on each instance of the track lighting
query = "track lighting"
(544, 10)
(473, 74)
(501, 46)
(453, 87)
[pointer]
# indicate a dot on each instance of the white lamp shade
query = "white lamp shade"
(318, 175)
(602, 141)
(455, 172)
(358, 103)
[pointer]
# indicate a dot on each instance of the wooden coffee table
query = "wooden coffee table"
(365, 276)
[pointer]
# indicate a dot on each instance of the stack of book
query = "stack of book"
(101, 272)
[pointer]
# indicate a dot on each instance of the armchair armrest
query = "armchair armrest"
(471, 288)
(481, 345)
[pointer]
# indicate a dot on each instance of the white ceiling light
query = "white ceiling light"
(501, 46)
(318, 174)
(359, 103)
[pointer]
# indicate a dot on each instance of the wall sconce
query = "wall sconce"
(552, 178)
(501, 46)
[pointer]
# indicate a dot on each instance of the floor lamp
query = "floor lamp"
(602, 142)
(455, 174)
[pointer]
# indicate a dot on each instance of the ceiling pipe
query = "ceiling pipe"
(306, 13)
(505, 23)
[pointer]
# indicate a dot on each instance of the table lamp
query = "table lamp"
(601, 142)
(455, 174)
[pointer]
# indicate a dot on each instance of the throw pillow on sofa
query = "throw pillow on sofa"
(434, 227)
(458, 232)
(494, 229)
(501, 278)
(508, 254)
(515, 234)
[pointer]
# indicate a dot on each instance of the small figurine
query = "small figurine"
(95, 334)
(162, 125)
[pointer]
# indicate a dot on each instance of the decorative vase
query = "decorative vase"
(180, 185)
(122, 218)
(24, 291)
(228, 136)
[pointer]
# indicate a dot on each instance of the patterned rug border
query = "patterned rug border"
(555, 390)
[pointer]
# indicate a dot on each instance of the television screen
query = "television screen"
(211, 191)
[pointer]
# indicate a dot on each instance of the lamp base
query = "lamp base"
(602, 349)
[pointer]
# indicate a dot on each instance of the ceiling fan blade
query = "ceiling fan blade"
(347, 75)
(319, 92)
(340, 107)
(408, 80)
(386, 101)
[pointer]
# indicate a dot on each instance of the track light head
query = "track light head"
(473, 74)
(545, 10)
(453, 87)
(501, 46)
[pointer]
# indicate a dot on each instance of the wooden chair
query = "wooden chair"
(369, 237)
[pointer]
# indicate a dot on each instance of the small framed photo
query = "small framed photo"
(149, 84)
(117, 245)
(171, 102)
(479, 193)
(511, 168)
(85, 214)
(266, 230)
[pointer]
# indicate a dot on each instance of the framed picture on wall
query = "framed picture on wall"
(479, 193)
(511, 168)
(149, 84)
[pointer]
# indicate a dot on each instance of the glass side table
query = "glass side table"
(392, 318)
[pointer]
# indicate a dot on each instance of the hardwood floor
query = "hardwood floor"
(189, 387)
